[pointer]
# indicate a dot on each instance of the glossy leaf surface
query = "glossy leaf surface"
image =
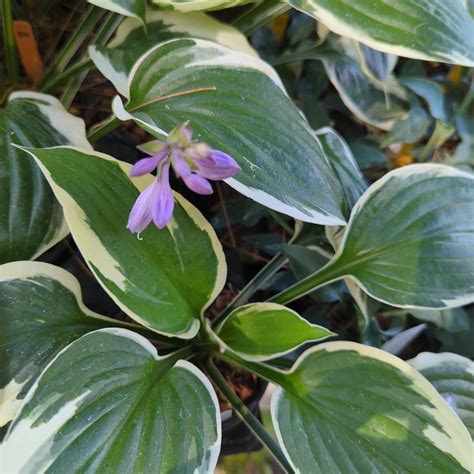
(235, 103)
(434, 30)
(108, 402)
(261, 331)
(347, 407)
(41, 312)
(31, 220)
(164, 279)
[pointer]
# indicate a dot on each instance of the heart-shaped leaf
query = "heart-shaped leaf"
(131, 41)
(166, 278)
(109, 403)
(236, 104)
(346, 407)
(41, 312)
(435, 30)
(409, 242)
(31, 220)
(261, 331)
(453, 377)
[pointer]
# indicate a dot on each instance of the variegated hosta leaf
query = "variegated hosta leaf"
(435, 30)
(41, 312)
(341, 159)
(374, 63)
(131, 41)
(363, 78)
(409, 242)
(262, 331)
(235, 102)
(31, 220)
(194, 5)
(347, 407)
(375, 102)
(453, 377)
(165, 278)
(109, 403)
(133, 8)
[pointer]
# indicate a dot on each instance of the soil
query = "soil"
(243, 383)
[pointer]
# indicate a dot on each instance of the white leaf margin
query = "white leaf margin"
(28, 439)
(451, 423)
(71, 127)
(250, 308)
(194, 24)
(28, 271)
(94, 251)
(345, 28)
(235, 60)
(438, 171)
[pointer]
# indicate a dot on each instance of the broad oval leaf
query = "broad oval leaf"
(109, 403)
(410, 239)
(133, 8)
(435, 30)
(262, 331)
(131, 41)
(164, 279)
(409, 242)
(235, 102)
(31, 220)
(453, 377)
(194, 5)
(352, 408)
(41, 312)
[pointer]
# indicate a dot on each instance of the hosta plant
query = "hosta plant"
(83, 392)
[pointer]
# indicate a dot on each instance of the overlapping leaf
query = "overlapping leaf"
(235, 102)
(131, 41)
(346, 407)
(165, 278)
(341, 159)
(108, 402)
(453, 377)
(41, 312)
(133, 8)
(31, 220)
(409, 241)
(435, 30)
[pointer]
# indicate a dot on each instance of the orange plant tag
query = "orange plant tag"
(28, 49)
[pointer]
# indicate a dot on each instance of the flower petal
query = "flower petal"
(163, 204)
(141, 213)
(198, 184)
(147, 165)
(180, 166)
(218, 165)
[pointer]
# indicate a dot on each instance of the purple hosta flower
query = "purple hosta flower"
(195, 163)
(155, 203)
